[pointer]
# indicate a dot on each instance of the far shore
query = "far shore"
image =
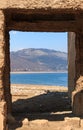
(27, 72)
(33, 87)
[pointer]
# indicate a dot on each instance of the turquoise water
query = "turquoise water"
(53, 79)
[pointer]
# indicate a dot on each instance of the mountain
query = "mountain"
(38, 60)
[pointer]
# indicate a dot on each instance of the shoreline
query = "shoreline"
(32, 72)
(38, 85)
(25, 87)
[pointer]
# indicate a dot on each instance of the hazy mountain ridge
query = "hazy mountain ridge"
(38, 60)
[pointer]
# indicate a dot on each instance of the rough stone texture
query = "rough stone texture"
(10, 119)
(71, 62)
(4, 61)
(2, 64)
(43, 16)
(2, 54)
(7, 72)
(82, 123)
(77, 95)
(73, 122)
(30, 4)
(78, 103)
(39, 122)
(78, 98)
(4, 94)
(25, 121)
(3, 112)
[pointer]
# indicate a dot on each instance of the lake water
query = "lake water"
(54, 79)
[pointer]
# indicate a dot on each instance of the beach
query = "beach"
(42, 106)
(36, 97)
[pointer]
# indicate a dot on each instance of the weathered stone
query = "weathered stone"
(43, 16)
(2, 54)
(73, 121)
(78, 98)
(79, 84)
(68, 128)
(82, 123)
(10, 119)
(78, 103)
(39, 122)
(71, 62)
(25, 121)
(3, 115)
(70, 4)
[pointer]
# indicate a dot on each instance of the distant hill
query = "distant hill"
(38, 60)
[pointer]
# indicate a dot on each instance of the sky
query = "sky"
(22, 40)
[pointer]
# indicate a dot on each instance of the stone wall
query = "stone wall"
(42, 4)
(2, 54)
(3, 116)
(77, 95)
(71, 62)
(5, 96)
(43, 16)
(3, 110)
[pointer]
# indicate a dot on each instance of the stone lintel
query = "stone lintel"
(43, 26)
(42, 4)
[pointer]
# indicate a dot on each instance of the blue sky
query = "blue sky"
(21, 40)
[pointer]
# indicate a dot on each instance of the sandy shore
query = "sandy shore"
(36, 103)
(41, 107)
(37, 98)
(25, 89)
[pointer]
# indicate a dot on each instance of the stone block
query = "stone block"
(3, 115)
(25, 121)
(11, 120)
(2, 121)
(82, 123)
(75, 4)
(73, 121)
(77, 107)
(68, 128)
(39, 122)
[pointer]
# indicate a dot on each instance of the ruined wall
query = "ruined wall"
(2, 54)
(77, 95)
(3, 109)
(75, 69)
(71, 62)
(51, 16)
(4, 61)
